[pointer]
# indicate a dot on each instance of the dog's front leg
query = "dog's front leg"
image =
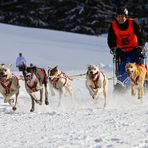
(51, 89)
(33, 103)
(140, 92)
(132, 89)
(14, 107)
(90, 89)
(95, 93)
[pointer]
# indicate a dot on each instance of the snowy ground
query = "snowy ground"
(80, 123)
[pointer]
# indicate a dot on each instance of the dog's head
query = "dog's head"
(92, 70)
(130, 68)
(28, 72)
(53, 72)
(5, 72)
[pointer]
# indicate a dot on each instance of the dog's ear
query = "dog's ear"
(56, 67)
(88, 66)
(7, 66)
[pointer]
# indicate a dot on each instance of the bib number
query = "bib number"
(125, 41)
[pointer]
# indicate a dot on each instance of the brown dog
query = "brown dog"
(137, 73)
(35, 78)
(9, 85)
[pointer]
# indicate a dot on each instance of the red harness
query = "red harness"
(95, 77)
(33, 87)
(56, 79)
(8, 86)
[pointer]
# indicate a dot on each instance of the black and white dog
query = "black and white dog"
(60, 82)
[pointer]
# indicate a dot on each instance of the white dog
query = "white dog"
(96, 82)
(9, 85)
(59, 81)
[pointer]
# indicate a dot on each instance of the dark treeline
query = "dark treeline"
(81, 16)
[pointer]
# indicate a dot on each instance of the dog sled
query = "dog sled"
(121, 81)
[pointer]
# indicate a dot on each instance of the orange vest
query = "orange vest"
(126, 39)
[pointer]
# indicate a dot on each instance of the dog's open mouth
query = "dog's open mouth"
(28, 76)
(3, 77)
(129, 72)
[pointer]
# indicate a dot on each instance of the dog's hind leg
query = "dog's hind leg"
(41, 97)
(46, 95)
(60, 96)
(104, 93)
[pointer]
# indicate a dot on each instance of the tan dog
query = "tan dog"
(137, 73)
(35, 78)
(9, 85)
(59, 81)
(96, 82)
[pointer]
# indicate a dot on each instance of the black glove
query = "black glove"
(140, 51)
(113, 50)
(141, 48)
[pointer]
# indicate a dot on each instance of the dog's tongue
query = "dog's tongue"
(3, 77)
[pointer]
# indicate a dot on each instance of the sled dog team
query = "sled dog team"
(36, 79)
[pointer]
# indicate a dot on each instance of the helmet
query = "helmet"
(122, 11)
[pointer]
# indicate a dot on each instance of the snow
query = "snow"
(77, 123)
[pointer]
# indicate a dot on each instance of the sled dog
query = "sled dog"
(9, 85)
(59, 81)
(96, 82)
(35, 78)
(138, 73)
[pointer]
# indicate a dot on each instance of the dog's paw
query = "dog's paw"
(46, 102)
(133, 94)
(139, 97)
(14, 108)
(39, 102)
(93, 96)
(31, 110)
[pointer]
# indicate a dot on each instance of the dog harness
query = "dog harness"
(7, 86)
(95, 77)
(56, 79)
(33, 87)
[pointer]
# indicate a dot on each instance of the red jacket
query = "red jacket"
(126, 40)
